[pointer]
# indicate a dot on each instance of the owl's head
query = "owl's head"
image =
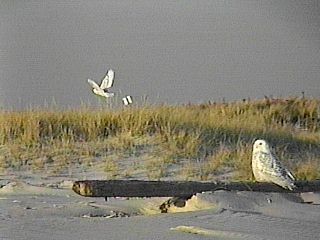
(261, 145)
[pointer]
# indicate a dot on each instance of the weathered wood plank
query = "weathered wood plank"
(137, 188)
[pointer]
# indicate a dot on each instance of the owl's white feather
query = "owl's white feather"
(93, 84)
(267, 168)
(106, 83)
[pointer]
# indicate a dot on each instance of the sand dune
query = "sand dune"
(39, 212)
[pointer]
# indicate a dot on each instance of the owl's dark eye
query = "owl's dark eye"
(260, 143)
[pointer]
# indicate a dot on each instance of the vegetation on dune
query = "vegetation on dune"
(207, 141)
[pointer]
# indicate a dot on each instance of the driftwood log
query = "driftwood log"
(137, 188)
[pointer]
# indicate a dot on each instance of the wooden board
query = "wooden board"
(137, 188)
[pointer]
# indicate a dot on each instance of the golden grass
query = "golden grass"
(308, 170)
(204, 141)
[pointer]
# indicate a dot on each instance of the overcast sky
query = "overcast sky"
(171, 51)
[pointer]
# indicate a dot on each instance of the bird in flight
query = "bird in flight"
(267, 168)
(106, 83)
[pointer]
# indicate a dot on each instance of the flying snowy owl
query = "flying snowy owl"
(267, 168)
(106, 83)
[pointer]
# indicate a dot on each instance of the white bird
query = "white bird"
(267, 168)
(106, 83)
(127, 100)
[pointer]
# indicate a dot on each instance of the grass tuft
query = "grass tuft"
(203, 142)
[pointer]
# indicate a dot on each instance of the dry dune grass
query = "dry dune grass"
(203, 141)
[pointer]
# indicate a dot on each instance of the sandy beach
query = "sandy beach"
(32, 209)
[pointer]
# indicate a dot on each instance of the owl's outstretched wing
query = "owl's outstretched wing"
(107, 80)
(93, 84)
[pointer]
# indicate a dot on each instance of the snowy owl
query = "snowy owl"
(106, 83)
(127, 100)
(267, 168)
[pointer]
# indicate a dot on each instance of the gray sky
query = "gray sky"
(171, 51)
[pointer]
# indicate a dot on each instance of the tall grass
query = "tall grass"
(204, 141)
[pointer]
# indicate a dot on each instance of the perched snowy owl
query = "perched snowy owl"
(106, 83)
(267, 168)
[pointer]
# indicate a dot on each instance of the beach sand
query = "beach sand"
(51, 210)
